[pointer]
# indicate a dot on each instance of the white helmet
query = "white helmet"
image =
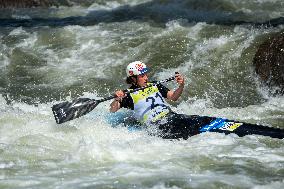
(136, 68)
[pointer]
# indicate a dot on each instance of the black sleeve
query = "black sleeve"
(163, 90)
(127, 102)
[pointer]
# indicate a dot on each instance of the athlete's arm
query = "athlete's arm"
(174, 95)
(115, 105)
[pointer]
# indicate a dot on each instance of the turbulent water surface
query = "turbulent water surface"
(60, 53)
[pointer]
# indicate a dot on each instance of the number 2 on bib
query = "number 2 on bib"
(155, 100)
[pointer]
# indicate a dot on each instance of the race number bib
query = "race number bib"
(149, 105)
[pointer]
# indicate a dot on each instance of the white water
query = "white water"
(89, 152)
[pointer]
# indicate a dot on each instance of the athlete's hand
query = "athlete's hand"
(119, 95)
(179, 79)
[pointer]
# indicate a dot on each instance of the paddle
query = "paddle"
(67, 111)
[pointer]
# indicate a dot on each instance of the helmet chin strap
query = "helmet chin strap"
(136, 83)
(136, 80)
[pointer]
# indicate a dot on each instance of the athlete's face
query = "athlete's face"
(142, 80)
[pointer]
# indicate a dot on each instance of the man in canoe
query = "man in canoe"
(151, 109)
(149, 105)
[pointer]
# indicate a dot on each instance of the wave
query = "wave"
(212, 12)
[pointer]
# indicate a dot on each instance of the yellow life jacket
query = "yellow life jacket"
(149, 105)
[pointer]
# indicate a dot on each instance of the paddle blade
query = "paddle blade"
(67, 111)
